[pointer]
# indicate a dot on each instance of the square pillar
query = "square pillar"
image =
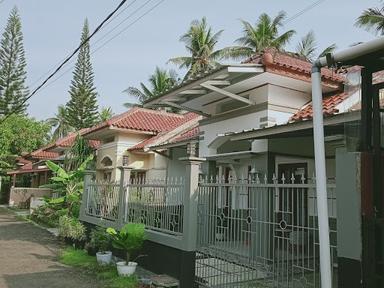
(125, 176)
(88, 176)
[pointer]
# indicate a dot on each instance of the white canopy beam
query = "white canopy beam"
(210, 86)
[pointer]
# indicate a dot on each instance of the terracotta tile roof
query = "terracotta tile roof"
(294, 66)
(142, 119)
(190, 119)
(187, 135)
(329, 107)
(42, 154)
(68, 140)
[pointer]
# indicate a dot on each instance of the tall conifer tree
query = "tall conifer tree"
(12, 67)
(82, 108)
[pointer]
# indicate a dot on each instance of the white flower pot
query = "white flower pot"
(104, 258)
(126, 270)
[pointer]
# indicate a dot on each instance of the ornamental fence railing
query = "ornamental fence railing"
(261, 233)
(157, 203)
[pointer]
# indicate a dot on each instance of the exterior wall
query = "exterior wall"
(175, 167)
(115, 151)
(21, 196)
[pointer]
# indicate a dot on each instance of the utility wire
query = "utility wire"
(301, 12)
(105, 25)
(65, 61)
(109, 40)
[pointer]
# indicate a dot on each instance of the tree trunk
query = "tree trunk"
(127, 257)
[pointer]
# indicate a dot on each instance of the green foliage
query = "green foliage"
(71, 228)
(307, 47)
(160, 82)
(105, 114)
(12, 67)
(80, 151)
(59, 123)
(77, 258)
(107, 274)
(130, 238)
(69, 185)
(264, 34)
(372, 19)
(82, 108)
(200, 43)
(22, 134)
(100, 239)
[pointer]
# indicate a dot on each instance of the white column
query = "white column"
(125, 177)
(321, 179)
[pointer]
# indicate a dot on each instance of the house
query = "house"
(124, 139)
(245, 211)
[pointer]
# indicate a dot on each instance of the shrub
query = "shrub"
(100, 239)
(130, 238)
(71, 228)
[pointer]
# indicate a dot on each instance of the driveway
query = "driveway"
(29, 258)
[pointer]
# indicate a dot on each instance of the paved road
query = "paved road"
(28, 258)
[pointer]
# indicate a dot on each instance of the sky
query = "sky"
(147, 39)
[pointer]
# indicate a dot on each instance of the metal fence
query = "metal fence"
(103, 200)
(157, 203)
(255, 233)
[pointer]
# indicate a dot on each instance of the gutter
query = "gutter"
(348, 56)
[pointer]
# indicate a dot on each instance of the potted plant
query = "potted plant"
(129, 239)
(101, 241)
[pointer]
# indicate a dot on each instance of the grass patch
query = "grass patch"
(77, 258)
(106, 274)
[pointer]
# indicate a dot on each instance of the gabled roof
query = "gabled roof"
(292, 65)
(330, 103)
(189, 123)
(68, 140)
(42, 154)
(141, 119)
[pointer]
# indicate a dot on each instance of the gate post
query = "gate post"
(123, 194)
(88, 175)
(190, 217)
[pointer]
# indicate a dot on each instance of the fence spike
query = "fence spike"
(257, 179)
(283, 178)
(302, 179)
(274, 178)
(293, 179)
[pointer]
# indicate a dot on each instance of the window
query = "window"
(107, 162)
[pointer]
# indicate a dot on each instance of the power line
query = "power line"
(105, 25)
(110, 39)
(301, 12)
(65, 61)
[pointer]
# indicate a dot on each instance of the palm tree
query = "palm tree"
(105, 114)
(160, 81)
(307, 47)
(265, 34)
(200, 43)
(59, 121)
(372, 19)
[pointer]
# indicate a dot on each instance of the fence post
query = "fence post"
(88, 175)
(123, 195)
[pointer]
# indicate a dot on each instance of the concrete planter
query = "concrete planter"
(126, 270)
(104, 258)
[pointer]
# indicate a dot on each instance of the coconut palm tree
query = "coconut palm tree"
(200, 42)
(62, 127)
(160, 81)
(105, 114)
(307, 47)
(372, 19)
(264, 34)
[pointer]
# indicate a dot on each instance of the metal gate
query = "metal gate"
(254, 233)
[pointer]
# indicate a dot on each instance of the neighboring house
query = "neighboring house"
(124, 139)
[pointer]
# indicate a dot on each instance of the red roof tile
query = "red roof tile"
(42, 154)
(329, 107)
(68, 140)
(142, 119)
(187, 135)
(294, 66)
(188, 119)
